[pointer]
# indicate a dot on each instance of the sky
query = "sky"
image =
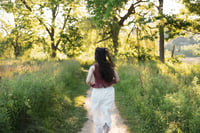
(171, 7)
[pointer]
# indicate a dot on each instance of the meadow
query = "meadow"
(42, 96)
(159, 98)
(48, 96)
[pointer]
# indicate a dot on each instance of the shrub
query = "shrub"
(176, 59)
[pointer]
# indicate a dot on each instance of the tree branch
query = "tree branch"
(43, 25)
(4, 29)
(130, 32)
(65, 21)
(57, 11)
(59, 50)
(104, 39)
(131, 10)
(39, 19)
(26, 5)
(151, 27)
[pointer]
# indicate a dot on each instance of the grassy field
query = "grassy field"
(48, 96)
(159, 98)
(42, 96)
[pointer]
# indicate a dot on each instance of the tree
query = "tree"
(108, 17)
(18, 36)
(140, 15)
(58, 23)
(160, 17)
(169, 26)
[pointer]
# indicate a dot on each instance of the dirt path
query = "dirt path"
(117, 121)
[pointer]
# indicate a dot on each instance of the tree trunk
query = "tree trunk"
(16, 47)
(16, 51)
(173, 51)
(161, 33)
(115, 45)
(115, 36)
(53, 54)
(138, 44)
(53, 48)
(161, 43)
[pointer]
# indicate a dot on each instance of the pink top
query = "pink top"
(99, 82)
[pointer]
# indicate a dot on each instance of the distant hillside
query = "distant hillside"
(188, 46)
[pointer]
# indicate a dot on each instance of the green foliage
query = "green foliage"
(193, 8)
(32, 22)
(103, 10)
(72, 42)
(143, 54)
(140, 53)
(19, 36)
(175, 26)
(156, 98)
(48, 100)
(3, 43)
(175, 59)
(192, 5)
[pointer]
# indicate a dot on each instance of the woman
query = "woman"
(100, 77)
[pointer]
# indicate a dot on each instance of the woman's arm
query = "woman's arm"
(90, 76)
(116, 76)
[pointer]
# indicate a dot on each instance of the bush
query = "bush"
(139, 53)
(176, 59)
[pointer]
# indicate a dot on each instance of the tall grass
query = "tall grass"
(159, 98)
(49, 100)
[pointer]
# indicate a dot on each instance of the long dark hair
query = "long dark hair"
(106, 66)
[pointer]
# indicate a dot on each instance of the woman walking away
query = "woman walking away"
(100, 77)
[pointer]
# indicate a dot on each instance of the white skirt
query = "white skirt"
(102, 101)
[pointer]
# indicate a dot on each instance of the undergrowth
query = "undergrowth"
(47, 100)
(159, 98)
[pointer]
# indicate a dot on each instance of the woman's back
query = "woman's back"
(99, 81)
